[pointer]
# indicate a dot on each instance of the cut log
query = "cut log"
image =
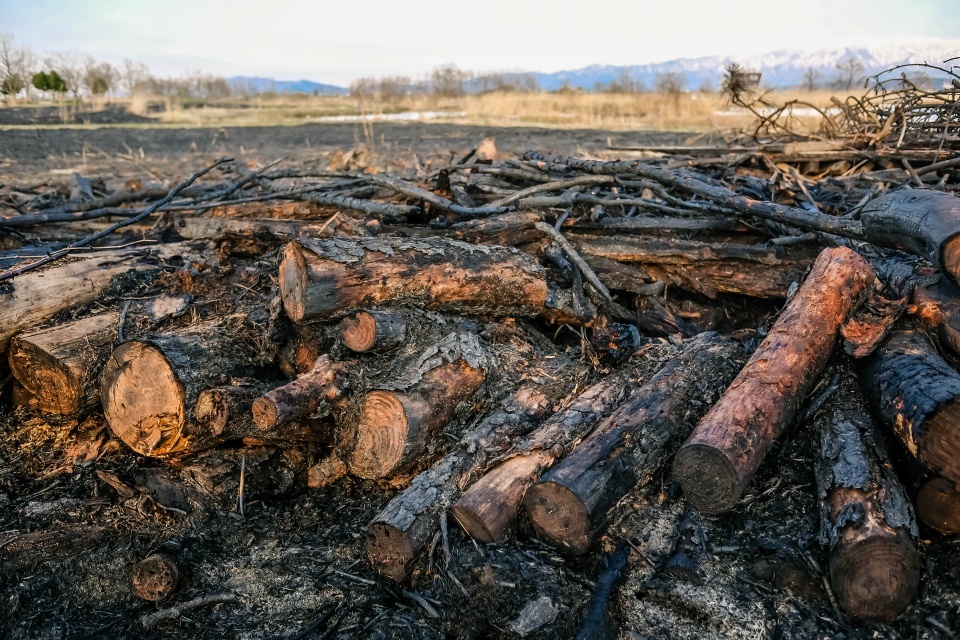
(408, 523)
(938, 505)
(715, 464)
(59, 367)
(373, 331)
(155, 578)
(322, 278)
(919, 221)
(704, 267)
(151, 387)
(568, 505)
(938, 307)
(866, 519)
(489, 508)
(395, 428)
(316, 391)
(916, 393)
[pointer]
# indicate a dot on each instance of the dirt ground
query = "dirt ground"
(293, 563)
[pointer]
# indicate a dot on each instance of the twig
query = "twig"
(243, 473)
(55, 255)
(153, 619)
(446, 204)
(568, 249)
(123, 320)
(553, 186)
(250, 177)
(416, 597)
(913, 173)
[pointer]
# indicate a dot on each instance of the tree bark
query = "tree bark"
(919, 221)
(505, 229)
(317, 390)
(916, 392)
(59, 366)
(568, 505)
(866, 519)
(151, 387)
(408, 523)
(373, 331)
(715, 464)
(395, 428)
(320, 279)
(488, 509)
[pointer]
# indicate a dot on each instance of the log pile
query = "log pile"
(519, 346)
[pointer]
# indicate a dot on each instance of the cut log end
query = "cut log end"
(155, 578)
(876, 578)
(143, 401)
(359, 333)
(53, 387)
(938, 506)
(264, 413)
(389, 550)
(951, 258)
(293, 281)
(382, 435)
(213, 410)
(941, 440)
(708, 478)
(559, 516)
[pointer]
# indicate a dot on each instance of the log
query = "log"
(316, 391)
(938, 307)
(395, 428)
(407, 524)
(568, 505)
(151, 387)
(322, 278)
(505, 229)
(938, 505)
(373, 331)
(488, 509)
(155, 578)
(59, 366)
(919, 221)
(866, 518)
(715, 464)
(915, 392)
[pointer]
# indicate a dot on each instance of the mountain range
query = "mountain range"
(779, 69)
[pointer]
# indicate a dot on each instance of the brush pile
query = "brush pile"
(526, 343)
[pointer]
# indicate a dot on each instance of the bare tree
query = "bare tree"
(15, 67)
(849, 72)
(811, 79)
(447, 81)
(134, 77)
(670, 82)
(69, 67)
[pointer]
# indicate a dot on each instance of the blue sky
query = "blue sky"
(336, 42)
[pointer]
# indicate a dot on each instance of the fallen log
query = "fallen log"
(408, 523)
(373, 331)
(715, 464)
(487, 510)
(506, 229)
(865, 513)
(568, 505)
(59, 366)
(312, 392)
(320, 279)
(151, 387)
(919, 221)
(915, 392)
(395, 428)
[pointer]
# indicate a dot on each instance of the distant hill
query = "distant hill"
(264, 85)
(779, 68)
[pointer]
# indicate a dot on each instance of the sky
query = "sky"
(339, 41)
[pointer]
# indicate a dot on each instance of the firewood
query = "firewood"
(568, 505)
(915, 391)
(505, 229)
(373, 331)
(919, 221)
(151, 387)
(322, 278)
(938, 307)
(155, 578)
(938, 505)
(715, 464)
(408, 523)
(395, 427)
(59, 366)
(867, 520)
(312, 392)
(487, 510)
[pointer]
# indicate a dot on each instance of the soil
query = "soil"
(78, 510)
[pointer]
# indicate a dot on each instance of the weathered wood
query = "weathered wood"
(506, 229)
(151, 387)
(314, 391)
(938, 307)
(320, 279)
(155, 578)
(394, 427)
(916, 392)
(568, 505)
(919, 221)
(866, 517)
(715, 464)
(59, 366)
(373, 331)
(408, 523)
(487, 510)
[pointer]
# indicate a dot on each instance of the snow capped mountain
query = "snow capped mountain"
(779, 68)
